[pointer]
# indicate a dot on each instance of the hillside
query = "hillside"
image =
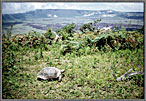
(93, 59)
(52, 13)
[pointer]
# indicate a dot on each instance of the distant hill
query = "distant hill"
(55, 13)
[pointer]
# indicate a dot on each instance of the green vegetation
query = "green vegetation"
(92, 62)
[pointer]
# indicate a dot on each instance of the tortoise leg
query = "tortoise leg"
(60, 77)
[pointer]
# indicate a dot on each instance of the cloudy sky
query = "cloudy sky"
(14, 7)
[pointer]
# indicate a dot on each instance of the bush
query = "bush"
(69, 46)
(49, 34)
(90, 26)
(120, 40)
(67, 31)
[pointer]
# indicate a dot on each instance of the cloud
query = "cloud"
(55, 16)
(129, 7)
(14, 7)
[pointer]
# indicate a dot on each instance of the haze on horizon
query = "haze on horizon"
(15, 7)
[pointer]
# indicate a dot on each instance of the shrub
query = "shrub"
(49, 34)
(67, 31)
(90, 26)
(120, 40)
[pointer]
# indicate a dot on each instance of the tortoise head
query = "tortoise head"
(59, 72)
(62, 71)
(60, 75)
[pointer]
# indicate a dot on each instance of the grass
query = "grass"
(86, 77)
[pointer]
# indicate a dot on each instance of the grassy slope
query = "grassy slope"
(88, 76)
